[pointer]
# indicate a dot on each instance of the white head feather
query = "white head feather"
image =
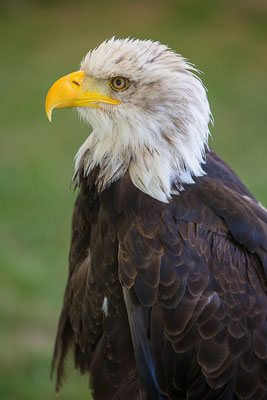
(159, 130)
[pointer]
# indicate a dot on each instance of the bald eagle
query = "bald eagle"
(166, 293)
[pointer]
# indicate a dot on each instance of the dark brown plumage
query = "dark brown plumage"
(185, 285)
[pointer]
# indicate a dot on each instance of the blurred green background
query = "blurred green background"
(41, 41)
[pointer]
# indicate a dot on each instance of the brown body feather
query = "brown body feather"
(185, 284)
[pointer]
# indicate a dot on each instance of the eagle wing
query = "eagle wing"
(78, 320)
(93, 322)
(198, 269)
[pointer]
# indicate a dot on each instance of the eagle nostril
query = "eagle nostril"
(75, 83)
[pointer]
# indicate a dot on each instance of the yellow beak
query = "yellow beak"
(75, 90)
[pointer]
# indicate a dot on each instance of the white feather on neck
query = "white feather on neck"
(155, 164)
(159, 134)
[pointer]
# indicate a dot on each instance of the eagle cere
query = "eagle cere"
(166, 294)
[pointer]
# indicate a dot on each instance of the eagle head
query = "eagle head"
(149, 113)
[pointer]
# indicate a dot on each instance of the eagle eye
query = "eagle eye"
(118, 83)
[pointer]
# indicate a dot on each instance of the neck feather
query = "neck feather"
(160, 157)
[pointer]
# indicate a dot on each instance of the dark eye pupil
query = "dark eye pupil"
(118, 82)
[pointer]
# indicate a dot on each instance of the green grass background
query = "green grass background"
(42, 41)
